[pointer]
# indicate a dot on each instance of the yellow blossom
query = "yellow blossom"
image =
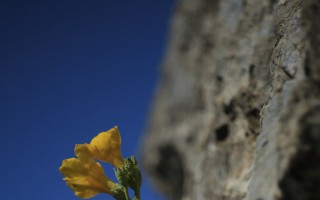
(85, 176)
(106, 147)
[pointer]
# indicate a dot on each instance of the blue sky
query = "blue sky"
(69, 70)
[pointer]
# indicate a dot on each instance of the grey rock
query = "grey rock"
(237, 110)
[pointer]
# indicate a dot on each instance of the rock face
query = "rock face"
(237, 111)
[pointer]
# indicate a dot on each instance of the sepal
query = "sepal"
(119, 192)
(129, 175)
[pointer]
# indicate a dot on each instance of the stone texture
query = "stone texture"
(237, 111)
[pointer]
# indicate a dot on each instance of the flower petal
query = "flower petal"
(106, 147)
(85, 177)
(86, 194)
(83, 153)
(72, 167)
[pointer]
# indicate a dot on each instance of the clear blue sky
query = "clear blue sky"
(69, 70)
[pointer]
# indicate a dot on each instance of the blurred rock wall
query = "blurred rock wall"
(237, 111)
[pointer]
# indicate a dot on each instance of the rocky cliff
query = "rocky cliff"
(237, 111)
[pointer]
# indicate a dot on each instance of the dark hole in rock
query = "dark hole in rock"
(170, 170)
(219, 78)
(255, 112)
(230, 110)
(315, 7)
(302, 179)
(253, 117)
(307, 69)
(251, 68)
(247, 134)
(190, 139)
(222, 133)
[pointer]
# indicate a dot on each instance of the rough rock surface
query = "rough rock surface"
(237, 111)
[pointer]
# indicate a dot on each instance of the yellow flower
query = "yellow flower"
(106, 147)
(85, 176)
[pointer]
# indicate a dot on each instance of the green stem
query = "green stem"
(127, 195)
(137, 193)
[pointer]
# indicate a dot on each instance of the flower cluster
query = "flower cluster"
(86, 177)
